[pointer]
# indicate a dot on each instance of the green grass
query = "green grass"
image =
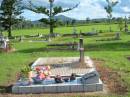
(114, 53)
(87, 28)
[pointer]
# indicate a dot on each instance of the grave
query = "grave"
(3, 43)
(87, 77)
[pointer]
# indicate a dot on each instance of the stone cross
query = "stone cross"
(81, 49)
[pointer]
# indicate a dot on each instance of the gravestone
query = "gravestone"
(3, 42)
(117, 36)
(74, 30)
(21, 39)
(89, 78)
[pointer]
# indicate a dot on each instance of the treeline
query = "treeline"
(28, 24)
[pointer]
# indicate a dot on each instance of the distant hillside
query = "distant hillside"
(59, 17)
(63, 18)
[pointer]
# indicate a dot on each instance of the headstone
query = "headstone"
(81, 34)
(94, 30)
(49, 39)
(3, 42)
(74, 30)
(89, 78)
(117, 36)
(40, 35)
(21, 38)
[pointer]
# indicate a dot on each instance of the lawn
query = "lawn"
(114, 53)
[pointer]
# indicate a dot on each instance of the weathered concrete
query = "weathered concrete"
(63, 88)
(38, 89)
(77, 88)
(62, 61)
(91, 77)
(50, 89)
(66, 87)
(58, 88)
(88, 80)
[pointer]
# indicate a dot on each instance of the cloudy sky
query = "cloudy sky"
(86, 8)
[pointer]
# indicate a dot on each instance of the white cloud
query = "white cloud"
(87, 8)
(126, 9)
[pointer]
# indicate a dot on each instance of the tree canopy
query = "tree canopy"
(50, 12)
(109, 7)
(9, 12)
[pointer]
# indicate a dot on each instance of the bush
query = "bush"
(24, 71)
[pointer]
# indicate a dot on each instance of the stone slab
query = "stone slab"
(15, 89)
(77, 88)
(63, 89)
(37, 89)
(99, 86)
(91, 80)
(50, 89)
(58, 88)
(25, 89)
(89, 87)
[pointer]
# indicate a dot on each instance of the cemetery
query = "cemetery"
(4, 44)
(64, 48)
(86, 78)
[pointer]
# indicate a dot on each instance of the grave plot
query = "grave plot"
(87, 79)
(61, 75)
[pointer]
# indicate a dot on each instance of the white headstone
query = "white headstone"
(3, 42)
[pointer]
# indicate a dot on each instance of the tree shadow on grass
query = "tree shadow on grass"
(31, 50)
(116, 46)
(56, 49)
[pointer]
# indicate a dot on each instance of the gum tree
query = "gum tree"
(50, 13)
(109, 9)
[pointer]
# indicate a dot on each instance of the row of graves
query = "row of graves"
(61, 75)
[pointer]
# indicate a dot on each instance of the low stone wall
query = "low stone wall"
(58, 88)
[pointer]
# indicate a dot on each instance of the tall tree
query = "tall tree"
(126, 25)
(73, 22)
(51, 12)
(10, 10)
(120, 23)
(87, 20)
(109, 9)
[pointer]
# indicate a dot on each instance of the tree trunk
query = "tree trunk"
(9, 32)
(10, 26)
(51, 20)
(51, 30)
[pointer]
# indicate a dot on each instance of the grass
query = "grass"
(60, 30)
(114, 53)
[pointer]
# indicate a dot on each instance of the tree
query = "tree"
(109, 9)
(120, 23)
(88, 20)
(10, 9)
(126, 25)
(67, 23)
(51, 12)
(73, 22)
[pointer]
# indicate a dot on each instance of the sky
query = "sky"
(87, 8)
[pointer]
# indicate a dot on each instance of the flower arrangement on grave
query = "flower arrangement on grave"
(23, 74)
